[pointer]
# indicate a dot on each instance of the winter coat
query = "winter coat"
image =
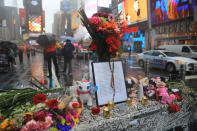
(68, 50)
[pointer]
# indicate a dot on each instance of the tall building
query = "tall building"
(56, 23)
(71, 6)
(1, 3)
(9, 23)
(35, 19)
(67, 7)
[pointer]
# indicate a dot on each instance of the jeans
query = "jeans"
(49, 56)
(68, 65)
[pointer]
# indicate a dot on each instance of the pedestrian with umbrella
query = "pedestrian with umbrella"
(68, 52)
(48, 42)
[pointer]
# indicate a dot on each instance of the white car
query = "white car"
(168, 60)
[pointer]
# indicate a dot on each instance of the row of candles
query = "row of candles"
(110, 106)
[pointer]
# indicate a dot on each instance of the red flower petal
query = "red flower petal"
(95, 110)
(93, 47)
(39, 98)
(52, 103)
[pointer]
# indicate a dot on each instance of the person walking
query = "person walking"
(50, 54)
(28, 53)
(68, 52)
(20, 54)
(11, 58)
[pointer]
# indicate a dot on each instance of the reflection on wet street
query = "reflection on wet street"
(23, 73)
(36, 67)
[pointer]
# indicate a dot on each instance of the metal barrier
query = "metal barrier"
(147, 68)
(183, 72)
(125, 66)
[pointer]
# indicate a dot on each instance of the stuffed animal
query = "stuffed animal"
(145, 87)
(84, 92)
(165, 97)
(69, 103)
(151, 88)
(157, 80)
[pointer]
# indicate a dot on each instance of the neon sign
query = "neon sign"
(129, 30)
(130, 39)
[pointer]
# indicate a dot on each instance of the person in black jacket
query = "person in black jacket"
(68, 52)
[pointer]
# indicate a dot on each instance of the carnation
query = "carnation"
(52, 103)
(39, 98)
(37, 125)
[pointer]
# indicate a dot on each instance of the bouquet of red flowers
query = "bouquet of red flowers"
(104, 32)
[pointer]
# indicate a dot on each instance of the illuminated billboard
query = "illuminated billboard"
(22, 14)
(169, 10)
(75, 20)
(135, 10)
(35, 23)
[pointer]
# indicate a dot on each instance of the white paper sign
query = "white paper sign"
(102, 75)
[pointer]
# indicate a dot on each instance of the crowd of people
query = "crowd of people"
(52, 53)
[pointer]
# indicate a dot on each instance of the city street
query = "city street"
(22, 74)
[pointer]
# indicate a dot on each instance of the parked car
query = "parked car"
(183, 50)
(168, 60)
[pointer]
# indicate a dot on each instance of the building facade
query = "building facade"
(9, 23)
(173, 23)
(133, 23)
(1, 3)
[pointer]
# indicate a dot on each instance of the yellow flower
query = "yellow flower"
(76, 120)
(53, 129)
(68, 124)
(4, 124)
(63, 121)
(29, 113)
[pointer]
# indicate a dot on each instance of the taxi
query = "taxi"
(167, 60)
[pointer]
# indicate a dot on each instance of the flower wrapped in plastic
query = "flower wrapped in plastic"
(104, 32)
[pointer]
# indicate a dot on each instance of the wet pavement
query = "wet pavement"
(36, 67)
(22, 73)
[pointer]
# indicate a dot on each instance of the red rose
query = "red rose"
(95, 110)
(114, 44)
(93, 47)
(39, 98)
(178, 97)
(173, 108)
(52, 103)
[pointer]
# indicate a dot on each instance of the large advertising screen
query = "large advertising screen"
(75, 20)
(169, 10)
(35, 23)
(135, 10)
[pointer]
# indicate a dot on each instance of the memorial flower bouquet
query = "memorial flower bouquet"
(40, 114)
(104, 32)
